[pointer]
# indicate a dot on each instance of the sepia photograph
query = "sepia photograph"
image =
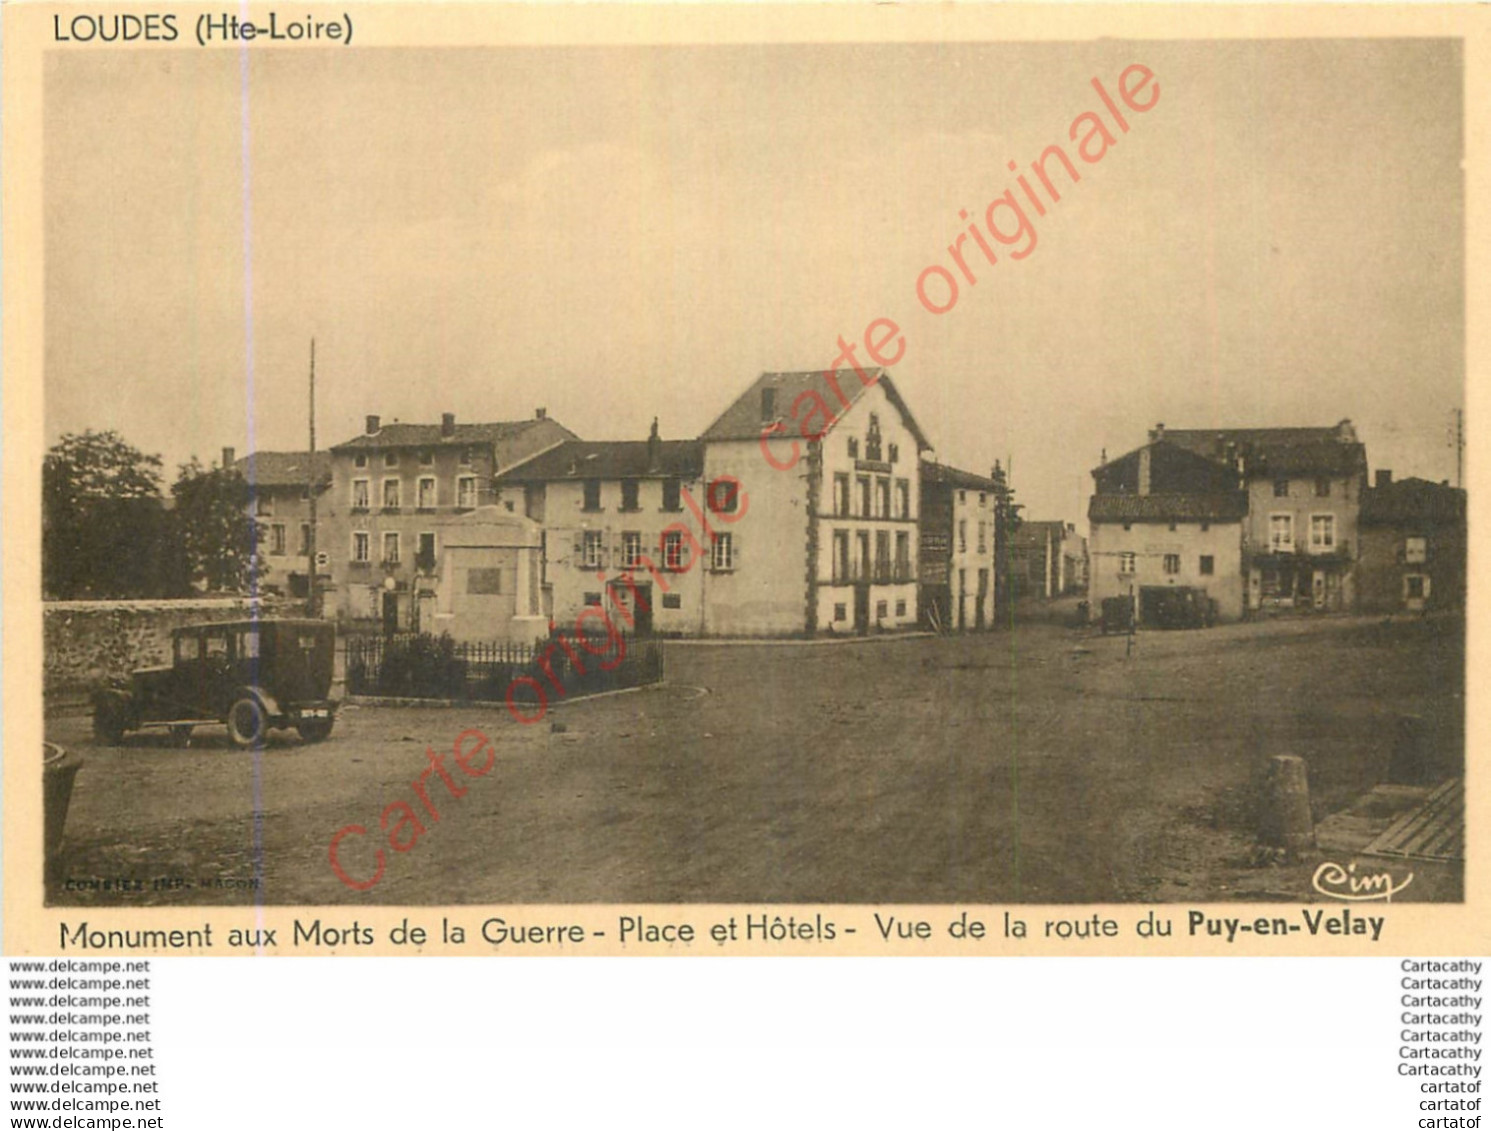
(774, 473)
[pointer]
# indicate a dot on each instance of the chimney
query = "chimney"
(228, 454)
(1157, 433)
(768, 404)
(1384, 477)
(1143, 471)
(447, 424)
(540, 414)
(654, 449)
(373, 425)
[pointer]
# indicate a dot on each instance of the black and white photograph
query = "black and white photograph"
(764, 473)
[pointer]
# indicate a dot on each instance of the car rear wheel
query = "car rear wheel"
(314, 730)
(247, 724)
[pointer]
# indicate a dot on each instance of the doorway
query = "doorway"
(862, 609)
(390, 613)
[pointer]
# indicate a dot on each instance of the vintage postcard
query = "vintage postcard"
(744, 479)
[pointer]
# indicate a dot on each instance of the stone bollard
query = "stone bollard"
(1286, 821)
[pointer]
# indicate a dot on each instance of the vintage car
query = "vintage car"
(252, 675)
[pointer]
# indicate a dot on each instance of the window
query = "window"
(841, 611)
(465, 457)
(903, 498)
(962, 497)
(723, 495)
(1322, 533)
(880, 610)
(841, 493)
(277, 538)
(427, 493)
(426, 458)
(215, 644)
(1208, 565)
(962, 535)
(872, 439)
(1172, 563)
(722, 555)
(1322, 488)
(1127, 561)
(631, 549)
(672, 491)
(903, 556)
(466, 491)
(1281, 533)
(673, 549)
(983, 540)
(841, 556)
(1415, 587)
(424, 558)
(592, 495)
(390, 459)
(484, 582)
(360, 495)
(1416, 551)
(854, 447)
(263, 505)
(672, 600)
(305, 539)
(983, 499)
(882, 498)
(362, 547)
(247, 643)
(360, 459)
(1281, 488)
(882, 555)
(392, 494)
(895, 452)
(863, 483)
(591, 549)
(900, 608)
(592, 599)
(629, 491)
(862, 555)
(391, 547)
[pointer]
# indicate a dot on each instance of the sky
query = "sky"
(618, 233)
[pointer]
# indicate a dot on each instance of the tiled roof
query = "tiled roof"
(742, 420)
(941, 473)
(283, 469)
(610, 459)
(1301, 452)
(1229, 507)
(1413, 501)
(398, 435)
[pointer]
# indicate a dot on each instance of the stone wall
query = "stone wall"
(86, 642)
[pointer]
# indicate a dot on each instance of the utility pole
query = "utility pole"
(1459, 447)
(313, 592)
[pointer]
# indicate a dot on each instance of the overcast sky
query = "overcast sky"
(618, 233)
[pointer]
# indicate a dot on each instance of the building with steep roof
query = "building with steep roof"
(623, 530)
(1163, 517)
(394, 488)
(280, 485)
(829, 462)
(1413, 546)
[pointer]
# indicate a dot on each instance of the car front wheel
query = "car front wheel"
(314, 730)
(247, 724)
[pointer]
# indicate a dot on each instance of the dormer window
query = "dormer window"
(872, 439)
